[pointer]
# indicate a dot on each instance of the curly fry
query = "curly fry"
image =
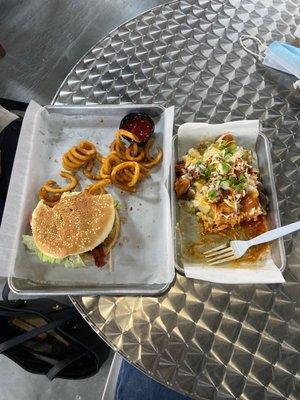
(44, 195)
(116, 167)
(90, 165)
(88, 169)
(154, 161)
(98, 187)
(151, 161)
(50, 199)
(87, 148)
(75, 155)
(119, 147)
(123, 166)
(134, 153)
(148, 146)
(73, 183)
(109, 162)
(127, 175)
(78, 155)
(69, 164)
(122, 133)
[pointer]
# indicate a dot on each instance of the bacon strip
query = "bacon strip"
(99, 256)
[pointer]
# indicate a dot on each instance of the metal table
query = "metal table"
(205, 340)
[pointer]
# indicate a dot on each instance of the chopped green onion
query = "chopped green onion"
(239, 186)
(232, 181)
(222, 145)
(207, 172)
(237, 183)
(225, 184)
(230, 150)
(225, 168)
(212, 194)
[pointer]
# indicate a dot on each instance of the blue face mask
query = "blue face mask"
(278, 55)
(284, 57)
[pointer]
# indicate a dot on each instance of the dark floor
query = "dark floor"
(17, 384)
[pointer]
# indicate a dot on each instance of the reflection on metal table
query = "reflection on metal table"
(206, 340)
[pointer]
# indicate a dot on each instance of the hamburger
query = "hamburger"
(78, 229)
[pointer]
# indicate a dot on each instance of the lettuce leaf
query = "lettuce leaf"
(69, 262)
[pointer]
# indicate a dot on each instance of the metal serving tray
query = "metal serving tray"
(266, 172)
(30, 287)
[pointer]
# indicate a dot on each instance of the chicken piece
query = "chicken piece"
(180, 168)
(250, 202)
(181, 186)
(226, 137)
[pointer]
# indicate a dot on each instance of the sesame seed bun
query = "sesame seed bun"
(76, 224)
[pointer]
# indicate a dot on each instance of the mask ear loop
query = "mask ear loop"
(259, 44)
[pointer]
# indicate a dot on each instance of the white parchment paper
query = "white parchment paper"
(144, 252)
(264, 271)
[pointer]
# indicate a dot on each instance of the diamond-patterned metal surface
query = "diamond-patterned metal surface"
(206, 340)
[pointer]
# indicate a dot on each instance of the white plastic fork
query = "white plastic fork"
(237, 248)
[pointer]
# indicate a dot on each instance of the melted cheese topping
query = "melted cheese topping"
(225, 183)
